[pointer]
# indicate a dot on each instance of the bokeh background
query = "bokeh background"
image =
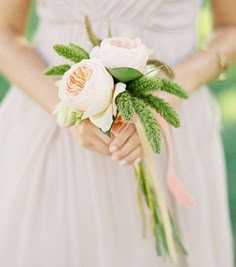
(225, 92)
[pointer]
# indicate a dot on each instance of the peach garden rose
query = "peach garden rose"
(88, 88)
(122, 52)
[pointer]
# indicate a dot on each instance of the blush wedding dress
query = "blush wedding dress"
(64, 206)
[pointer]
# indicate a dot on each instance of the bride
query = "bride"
(67, 196)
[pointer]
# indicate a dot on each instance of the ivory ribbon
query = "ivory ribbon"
(161, 201)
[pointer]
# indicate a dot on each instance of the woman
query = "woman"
(62, 204)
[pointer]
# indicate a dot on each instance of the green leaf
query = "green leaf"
(149, 122)
(108, 133)
(78, 118)
(173, 88)
(125, 74)
(57, 70)
(75, 54)
(143, 85)
(142, 177)
(125, 106)
(163, 108)
(177, 236)
(159, 240)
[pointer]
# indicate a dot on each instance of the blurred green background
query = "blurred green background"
(225, 92)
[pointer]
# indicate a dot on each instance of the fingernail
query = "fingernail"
(113, 148)
(137, 161)
(122, 162)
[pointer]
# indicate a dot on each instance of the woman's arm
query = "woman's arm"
(205, 65)
(19, 62)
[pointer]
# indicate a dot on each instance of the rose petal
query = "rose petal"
(102, 94)
(115, 56)
(119, 88)
(83, 100)
(97, 92)
(104, 120)
(95, 52)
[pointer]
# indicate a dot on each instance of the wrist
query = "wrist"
(185, 79)
(200, 68)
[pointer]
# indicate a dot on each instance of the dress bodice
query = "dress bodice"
(167, 26)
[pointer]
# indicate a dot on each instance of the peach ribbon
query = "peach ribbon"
(175, 186)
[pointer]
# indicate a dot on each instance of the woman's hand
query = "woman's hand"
(126, 147)
(90, 137)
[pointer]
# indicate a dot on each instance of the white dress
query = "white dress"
(64, 206)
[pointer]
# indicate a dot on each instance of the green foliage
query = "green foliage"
(125, 106)
(151, 199)
(72, 52)
(141, 174)
(149, 122)
(80, 50)
(57, 70)
(78, 118)
(143, 85)
(108, 133)
(177, 236)
(125, 74)
(160, 234)
(173, 88)
(163, 108)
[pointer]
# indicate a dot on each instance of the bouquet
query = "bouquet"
(112, 86)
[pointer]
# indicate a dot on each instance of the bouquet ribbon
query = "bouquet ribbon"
(175, 186)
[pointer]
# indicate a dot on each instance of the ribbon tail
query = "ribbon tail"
(178, 190)
(175, 186)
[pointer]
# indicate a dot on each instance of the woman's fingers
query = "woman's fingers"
(127, 148)
(130, 152)
(92, 129)
(102, 136)
(89, 136)
(134, 157)
(99, 146)
(120, 140)
(94, 143)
